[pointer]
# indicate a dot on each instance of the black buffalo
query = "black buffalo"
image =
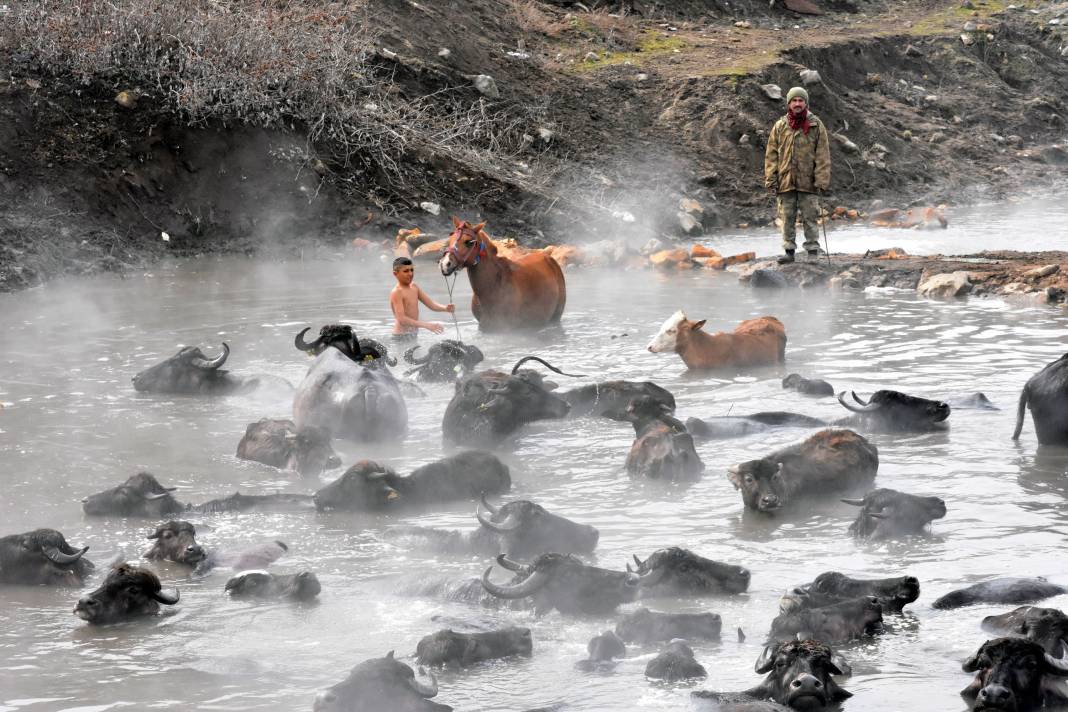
(343, 338)
(1046, 394)
(42, 558)
(799, 675)
(1001, 590)
(140, 496)
(832, 587)
(675, 662)
(888, 514)
(734, 426)
(445, 361)
(489, 406)
(354, 399)
(644, 626)
(810, 387)
(662, 447)
(280, 444)
(602, 649)
(599, 399)
(380, 685)
(676, 571)
(565, 583)
(237, 502)
(1015, 675)
(1046, 626)
(190, 372)
(895, 412)
(368, 485)
(300, 586)
(452, 649)
(827, 461)
(127, 592)
(836, 623)
(175, 541)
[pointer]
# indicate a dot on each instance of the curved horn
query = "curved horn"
(58, 557)
(765, 662)
(505, 563)
(167, 599)
(160, 495)
(637, 561)
(508, 525)
(858, 399)
(303, 345)
(545, 363)
(409, 356)
(520, 590)
(216, 362)
(854, 502)
(487, 505)
(1058, 666)
(856, 409)
(424, 689)
(651, 577)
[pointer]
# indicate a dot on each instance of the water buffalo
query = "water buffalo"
(644, 626)
(489, 406)
(754, 342)
(675, 662)
(190, 372)
(680, 572)
(368, 485)
(175, 541)
(380, 685)
(599, 399)
(1015, 675)
(601, 650)
(42, 558)
(140, 496)
(809, 387)
(237, 502)
(662, 448)
(279, 444)
(127, 592)
(830, 460)
(832, 587)
(836, 623)
(563, 582)
(1046, 626)
(344, 339)
(1001, 590)
(445, 361)
(1046, 394)
(452, 649)
(888, 514)
(798, 676)
(734, 426)
(894, 412)
(359, 401)
(301, 586)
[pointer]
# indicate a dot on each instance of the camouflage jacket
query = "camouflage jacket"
(795, 160)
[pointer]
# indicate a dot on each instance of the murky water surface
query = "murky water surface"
(72, 425)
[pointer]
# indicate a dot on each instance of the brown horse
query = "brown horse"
(525, 293)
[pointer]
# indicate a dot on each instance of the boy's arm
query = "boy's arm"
(431, 304)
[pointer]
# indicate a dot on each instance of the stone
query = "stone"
(1040, 272)
(768, 279)
(654, 245)
(444, 52)
(874, 78)
(546, 135)
(361, 244)
(591, 57)
(772, 91)
(641, 76)
(846, 144)
(431, 251)
(689, 205)
(565, 255)
(487, 86)
(907, 135)
(743, 140)
(1017, 288)
(970, 26)
(671, 259)
(951, 284)
(698, 252)
(890, 253)
(720, 263)
(127, 99)
(913, 51)
(432, 208)
(688, 223)
(810, 77)
(966, 39)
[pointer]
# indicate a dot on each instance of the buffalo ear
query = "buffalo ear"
(153, 535)
(697, 324)
(972, 663)
(732, 475)
(456, 222)
(766, 661)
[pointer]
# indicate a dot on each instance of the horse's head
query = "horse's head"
(467, 246)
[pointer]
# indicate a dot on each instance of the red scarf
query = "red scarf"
(799, 121)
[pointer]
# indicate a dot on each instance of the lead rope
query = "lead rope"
(449, 287)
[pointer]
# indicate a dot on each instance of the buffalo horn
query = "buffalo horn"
(424, 689)
(855, 408)
(508, 525)
(485, 503)
(409, 356)
(637, 561)
(652, 576)
(858, 399)
(167, 599)
(212, 364)
(854, 502)
(303, 345)
(157, 495)
(876, 515)
(1058, 666)
(520, 590)
(545, 363)
(766, 661)
(58, 557)
(505, 563)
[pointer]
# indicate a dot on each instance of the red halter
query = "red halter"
(480, 246)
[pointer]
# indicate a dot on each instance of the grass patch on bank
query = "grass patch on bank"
(650, 44)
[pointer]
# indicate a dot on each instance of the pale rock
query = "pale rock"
(743, 140)
(688, 223)
(810, 77)
(126, 99)
(952, 284)
(444, 52)
(689, 205)
(846, 144)
(591, 57)
(487, 86)
(1040, 272)
(545, 134)
(967, 39)
(772, 91)
(432, 208)
(641, 76)
(652, 246)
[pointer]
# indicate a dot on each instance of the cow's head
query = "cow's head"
(1046, 626)
(761, 483)
(279, 444)
(674, 333)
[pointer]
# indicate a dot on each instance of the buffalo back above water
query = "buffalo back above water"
(139, 496)
(836, 623)
(565, 583)
(42, 557)
(599, 399)
(380, 685)
(1046, 626)
(489, 406)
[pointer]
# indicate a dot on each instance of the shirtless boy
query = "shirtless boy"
(404, 301)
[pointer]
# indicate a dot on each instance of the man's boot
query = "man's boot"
(787, 258)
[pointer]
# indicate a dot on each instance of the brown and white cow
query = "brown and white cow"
(754, 342)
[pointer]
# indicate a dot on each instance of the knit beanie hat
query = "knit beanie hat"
(797, 91)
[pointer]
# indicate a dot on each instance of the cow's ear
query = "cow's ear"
(697, 325)
(457, 222)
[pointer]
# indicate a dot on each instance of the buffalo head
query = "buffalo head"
(140, 496)
(832, 587)
(1046, 626)
(343, 338)
(1015, 675)
(381, 684)
(897, 412)
(887, 513)
(280, 444)
(680, 571)
(42, 557)
(127, 592)
(366, 485)
(189, 372)
(263, 584)
(563, 582)
(175, 541)
(446, 360)
(799, 675)
(526, 528)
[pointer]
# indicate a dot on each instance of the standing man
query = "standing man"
(797, 167)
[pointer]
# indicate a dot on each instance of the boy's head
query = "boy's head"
(403, 270)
